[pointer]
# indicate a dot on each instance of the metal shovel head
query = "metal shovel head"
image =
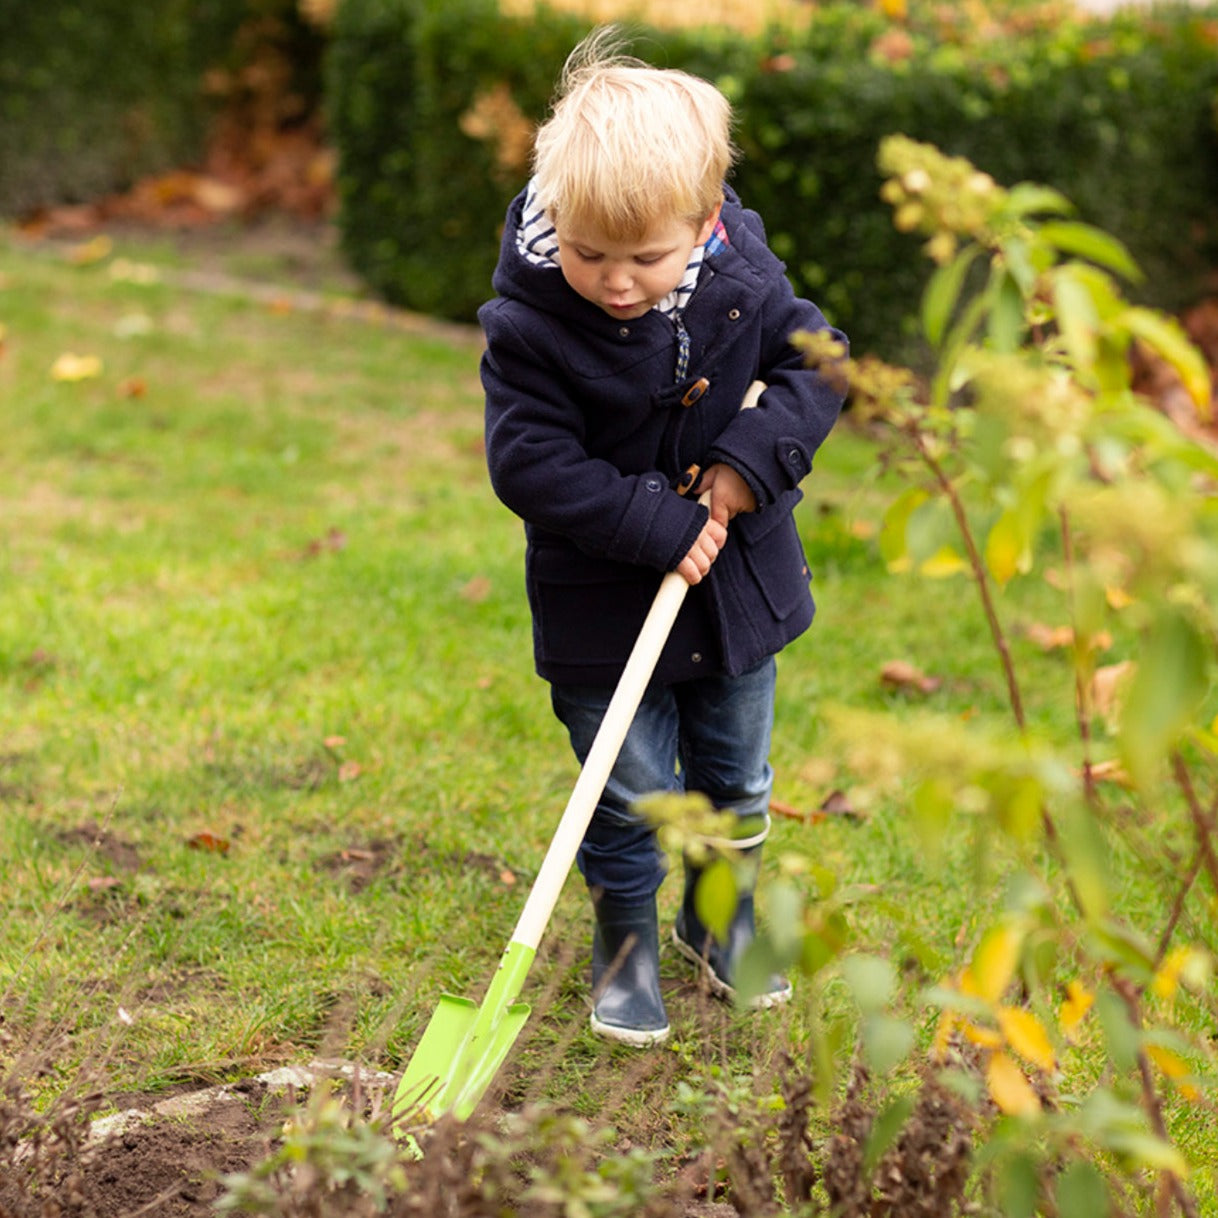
(464, 1045)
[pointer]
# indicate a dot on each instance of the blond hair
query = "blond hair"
(628, 145)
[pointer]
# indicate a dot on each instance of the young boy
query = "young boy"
(636, 302)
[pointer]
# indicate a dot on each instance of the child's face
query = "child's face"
(626, 279)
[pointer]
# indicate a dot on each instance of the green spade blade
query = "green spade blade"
(464, 1045)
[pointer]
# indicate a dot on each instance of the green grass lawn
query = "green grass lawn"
(275, 769)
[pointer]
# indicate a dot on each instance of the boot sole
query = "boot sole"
(636, 1038)
(720, 988)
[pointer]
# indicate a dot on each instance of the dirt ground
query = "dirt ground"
(166, 1155)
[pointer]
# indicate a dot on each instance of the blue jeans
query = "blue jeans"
(710, 735)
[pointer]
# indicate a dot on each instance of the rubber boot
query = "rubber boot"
(627, 1005)
(717, 959)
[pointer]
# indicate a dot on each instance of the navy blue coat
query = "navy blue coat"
(587, 436)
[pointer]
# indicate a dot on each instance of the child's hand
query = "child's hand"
(730, 494)
(703, 552)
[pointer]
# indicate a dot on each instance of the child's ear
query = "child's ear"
(708, 225)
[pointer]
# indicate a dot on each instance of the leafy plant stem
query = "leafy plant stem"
(1128, 994)
(1177, 910)
(977, 565)
(1082, 703)
(1203, 822)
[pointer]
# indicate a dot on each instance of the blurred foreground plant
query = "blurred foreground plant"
(1029, 451)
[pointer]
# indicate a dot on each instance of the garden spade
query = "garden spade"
(465, 1043)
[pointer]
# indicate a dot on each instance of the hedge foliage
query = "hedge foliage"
(96, 93)
(430, 102)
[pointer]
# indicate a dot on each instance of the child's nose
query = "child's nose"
(617, 277)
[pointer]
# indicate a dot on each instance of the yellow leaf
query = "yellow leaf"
(97, 249)
(1185, 964)
(1117, 598)
(1024, 1034)
(896, 10)
(943, 564)
(1008, 1087)
(1078, 1002)
(987, 1038)
(995, 960)
(1006, 549)
(72, 367)
(1174, 1067)
(943, 1034)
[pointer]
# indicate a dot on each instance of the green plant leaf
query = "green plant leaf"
(1028, 198)
(942, 293)
(1077, 317)
(1171, 680)
(886, 1042)
(1019, 1186)
(1085, 241)
(885, 1130)
(1164, 336)
(894, 532)
(871, 980)
(1006, 325)
(1081, 1190)
(715, 897)
(1120, 1035)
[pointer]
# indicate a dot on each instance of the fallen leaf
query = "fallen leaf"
(900, 674)
(96, 249)
(334, 742)
(349, 771)
(507, 877)
(210, 842)
(1110, 771)
(123, 270)
(1049, 638)
(1107, 685)
(72, 367)
(837, 803)
(477, 590)
(131, 387)
(103, 883)
(791, 812)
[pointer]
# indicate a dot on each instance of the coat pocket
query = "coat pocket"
(774, 556)
(586, 611)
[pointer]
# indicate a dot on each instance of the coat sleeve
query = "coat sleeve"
(540, 469)
(772, 446)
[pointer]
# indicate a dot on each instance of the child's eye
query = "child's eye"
(649, 259)
(585, 256)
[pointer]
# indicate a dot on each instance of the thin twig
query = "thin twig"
(1203, 822)
(1082, 702)
(979, 576)
(1150, 1097)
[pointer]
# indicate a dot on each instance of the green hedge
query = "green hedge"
(96, 93)
(1119, 117)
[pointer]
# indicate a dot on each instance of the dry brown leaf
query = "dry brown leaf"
(900, 674)
(212, 843)
(349, 771)
(837, 803)
(1107, 686)
(477, 590)
(131, 387)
